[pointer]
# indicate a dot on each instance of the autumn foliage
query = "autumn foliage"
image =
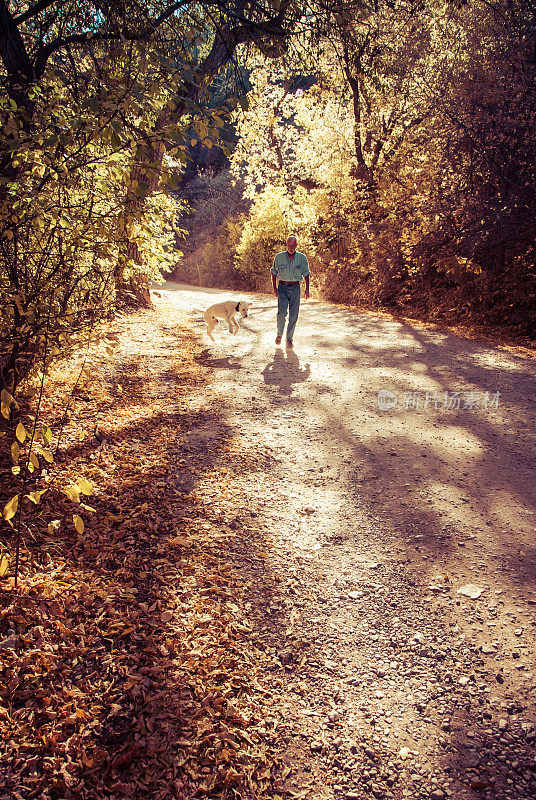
(399, 145)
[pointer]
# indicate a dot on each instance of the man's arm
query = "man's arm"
(306, 276)
(274, 279)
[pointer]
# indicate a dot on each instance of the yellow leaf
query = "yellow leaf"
(46, 433)
(4, 564)
(34, 460)
(10, 508)
(85, 486)
(35, 497)
(78, 523)
(15, 470)
(54, 526)
(5, 399)
(20, 432)
(72, 492)
(15, 452)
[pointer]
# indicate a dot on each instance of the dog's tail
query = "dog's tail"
(198, 311)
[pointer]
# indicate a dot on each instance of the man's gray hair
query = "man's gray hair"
(292, 236)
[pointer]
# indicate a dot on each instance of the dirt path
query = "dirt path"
(364, 532)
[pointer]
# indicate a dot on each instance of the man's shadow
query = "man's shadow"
(284, 371)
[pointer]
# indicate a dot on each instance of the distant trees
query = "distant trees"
(406, 161)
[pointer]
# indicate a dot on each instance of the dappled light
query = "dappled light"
(267, 400)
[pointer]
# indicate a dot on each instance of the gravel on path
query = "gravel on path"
(389, 532)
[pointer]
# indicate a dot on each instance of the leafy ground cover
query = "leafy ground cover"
(125, 669)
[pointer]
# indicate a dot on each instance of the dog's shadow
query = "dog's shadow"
(226, 362)
(284, 371)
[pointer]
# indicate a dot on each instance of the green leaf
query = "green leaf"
(10, 508)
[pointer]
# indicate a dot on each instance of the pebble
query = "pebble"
(470, 590)
(337, 742)
(285, 656)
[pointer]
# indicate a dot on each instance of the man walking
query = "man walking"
(289, 269)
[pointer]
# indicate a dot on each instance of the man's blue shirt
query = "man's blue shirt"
(287, 270)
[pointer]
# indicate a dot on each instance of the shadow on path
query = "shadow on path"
(284, 371)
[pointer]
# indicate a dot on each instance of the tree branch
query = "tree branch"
(12, 51)
(33, 11)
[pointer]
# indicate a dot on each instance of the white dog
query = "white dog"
(226, 311)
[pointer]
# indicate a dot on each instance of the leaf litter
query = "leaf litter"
(128, 666)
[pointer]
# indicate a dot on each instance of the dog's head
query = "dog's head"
(242, 308)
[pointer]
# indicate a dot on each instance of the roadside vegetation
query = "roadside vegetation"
(397, 140)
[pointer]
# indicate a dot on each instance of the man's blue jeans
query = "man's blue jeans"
(288, 301)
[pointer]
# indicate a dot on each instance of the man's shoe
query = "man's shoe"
(289, 344)
(278, 339)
